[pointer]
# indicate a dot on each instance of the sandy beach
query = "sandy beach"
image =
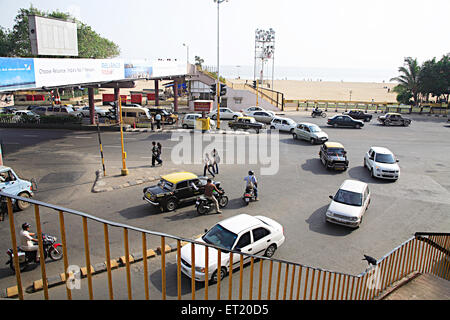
(327, 90)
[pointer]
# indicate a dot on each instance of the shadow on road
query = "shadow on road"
(141, 211)
(315, 166)
(362, 174)
(317, 223)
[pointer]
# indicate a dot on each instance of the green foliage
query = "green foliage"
(60, 119)
(16, 42)
(199, 61)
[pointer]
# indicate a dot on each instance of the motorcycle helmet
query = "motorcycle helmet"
(26, 225)
(250, 173)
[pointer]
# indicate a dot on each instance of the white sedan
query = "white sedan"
(252, 109)
(225, 114)
(349, 204)
(100, 111)
(382, 163)
(255, 235)
(283, 124)
(262, 116)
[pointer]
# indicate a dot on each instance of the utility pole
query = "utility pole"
(218, 64)
(124, 170)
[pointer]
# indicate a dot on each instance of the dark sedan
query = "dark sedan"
(359, 115)
(345, 121)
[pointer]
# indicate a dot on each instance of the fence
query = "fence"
(425, 253)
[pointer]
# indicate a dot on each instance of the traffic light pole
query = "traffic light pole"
(218, 67)
(124, 170)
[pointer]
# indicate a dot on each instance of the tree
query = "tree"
(199, 61)
(408, 81)
(90, 43)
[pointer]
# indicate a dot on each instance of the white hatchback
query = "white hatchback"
(382, 163)
(283, 124)
(189, 121)
(255, 235)
(349, 204)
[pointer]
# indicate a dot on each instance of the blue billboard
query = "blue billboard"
(17, 73)
(138, 69)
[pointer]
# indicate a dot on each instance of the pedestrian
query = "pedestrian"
(216, 160)
(158, 120)
(208, 165)
(159, 146)
(152, 122)
(155, 154)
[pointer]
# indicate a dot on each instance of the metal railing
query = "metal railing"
(424, 253)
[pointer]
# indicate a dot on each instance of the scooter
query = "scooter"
(52, 249)
(318, 113)
(205, 205)
(249, 195)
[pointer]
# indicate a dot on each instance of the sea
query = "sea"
(311, 74)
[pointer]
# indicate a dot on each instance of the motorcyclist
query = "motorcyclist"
(316, 110)
(252, 183)
(27, 240)
(209, 189)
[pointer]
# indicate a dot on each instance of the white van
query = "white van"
(132, 115)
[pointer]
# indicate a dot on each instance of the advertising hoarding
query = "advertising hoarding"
(16, 73)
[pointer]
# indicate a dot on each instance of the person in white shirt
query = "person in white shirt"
(27, 242)
(215, 160)
(158, 120)
(208, 165)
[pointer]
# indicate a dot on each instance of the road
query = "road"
(64, 164)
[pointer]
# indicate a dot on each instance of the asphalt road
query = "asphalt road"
(64, 164)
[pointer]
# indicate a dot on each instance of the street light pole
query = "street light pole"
(218, 66)
(187, 49)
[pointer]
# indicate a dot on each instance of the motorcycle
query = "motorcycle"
(205, 205)
(249, 195)
(318, 113)
(51, 248)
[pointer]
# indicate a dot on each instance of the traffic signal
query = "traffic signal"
(223, 89)
(113, 111)
(254, 84)
(213, 90)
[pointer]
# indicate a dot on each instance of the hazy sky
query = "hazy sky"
(319, 33)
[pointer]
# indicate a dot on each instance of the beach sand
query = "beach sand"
(327, 90)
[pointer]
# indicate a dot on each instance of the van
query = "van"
(132, 115)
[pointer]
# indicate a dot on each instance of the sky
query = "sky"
(320, 33)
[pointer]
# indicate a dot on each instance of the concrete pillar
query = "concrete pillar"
(91, 106)
(156, 92)
(175, 93)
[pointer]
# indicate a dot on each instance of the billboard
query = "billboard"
(138, 69)
(16, 73)
(52, 37)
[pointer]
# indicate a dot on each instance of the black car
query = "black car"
(9, 110)
(359, 115)
(174, 189)
(333, 156)
(166, 116)
(394, 119)
(345, 121)
(246, 123)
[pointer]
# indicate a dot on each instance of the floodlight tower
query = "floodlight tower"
(264, 53)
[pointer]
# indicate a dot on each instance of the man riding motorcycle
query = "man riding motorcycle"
(252, 183)
(209, 188)
(27, 240)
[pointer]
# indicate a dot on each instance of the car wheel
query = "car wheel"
(171, 204)
(364, 164)
(294, 135)
(358, 126)
(22, 205)
(214, 117)
(223, 273)
(272, 127)
(257, 131)
(235, 117)
(313, 141)
(372, 174)
(335, 125)
(291, 131)
(185, 126)
(270, 251)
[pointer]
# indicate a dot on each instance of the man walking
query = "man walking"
(208, 165)
(215, 160)
(155, 154)
(159, 146)
(158, 120)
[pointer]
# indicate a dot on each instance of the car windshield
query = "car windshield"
(221, 237)
(348, 197)
(314, 129)
(290, 121)
(336, 151)
(384, 158)
(165, 185)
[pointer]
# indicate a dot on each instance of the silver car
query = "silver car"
(310, 132)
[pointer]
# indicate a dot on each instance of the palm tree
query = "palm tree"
(408, 81)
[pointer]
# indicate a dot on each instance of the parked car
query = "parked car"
(256, 235)
(225, 114)
(283, 124)
(25, 113)
(56, 110)
(382, 163)
(344, 121)
(349, 204)
(310, 132)
(252, 109)
(246, 123)
(333, 156)
(9, 110)
(31, 107)
(132, 115)
(262, 116)
(85, 111)
(394, 119)
(12, 184)
(359, 115)
(174, 189)
(190, 119)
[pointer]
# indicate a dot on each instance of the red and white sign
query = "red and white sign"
(203, 105)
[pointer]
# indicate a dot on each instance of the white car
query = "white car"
(310, 132)
(382, 163)
(20, 113)
(262, 116)
(225, 114)
(100, 111)
(252, 109)
(255, 235)
(190, 119)
(349, 204)
(283, 124)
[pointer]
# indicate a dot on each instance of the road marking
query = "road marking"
(30, 135)
(112, 146)
(78, 137)
(64, 145)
